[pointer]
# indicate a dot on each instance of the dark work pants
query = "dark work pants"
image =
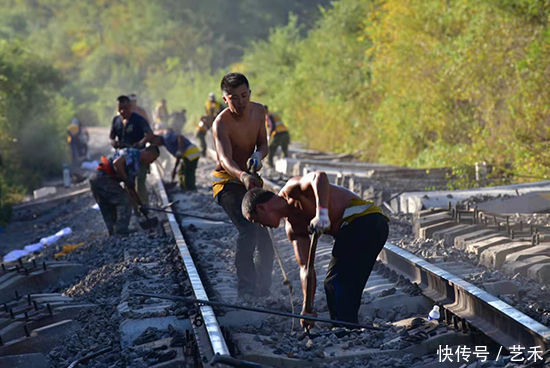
(75, 150)
(113, 201)
(356, 246)
(280, 139)
(187, 174)
(254, 276)
(141, 179)
(202, 139)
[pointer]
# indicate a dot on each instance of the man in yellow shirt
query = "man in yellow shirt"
(278, 135)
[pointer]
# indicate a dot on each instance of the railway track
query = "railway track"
(470, 317)
(193, 258)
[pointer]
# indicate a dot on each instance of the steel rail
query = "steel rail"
(213, 330)
(495, 318)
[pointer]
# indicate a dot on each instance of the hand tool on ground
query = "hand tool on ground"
(259, 310)
(149, 222)
(310, 275)
(184, 214)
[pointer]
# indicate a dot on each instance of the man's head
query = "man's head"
(266, 108)
(262, 206)
(124, 106)
(163, 102)
(149, 154)
(236, 92)
(211, 96)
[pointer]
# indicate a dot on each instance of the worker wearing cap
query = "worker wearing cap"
(184, 151)
(211, 106)
(202, 129)
(114, 202)
(278, 135)
(359, 228)
(73, 131)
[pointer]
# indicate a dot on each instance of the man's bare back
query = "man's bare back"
(304, 202)
(236, 137)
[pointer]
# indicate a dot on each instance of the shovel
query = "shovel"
(310, 276)
(184, 214)
(149, 222)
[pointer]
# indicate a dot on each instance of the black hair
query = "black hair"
(233, 80)
(123, 99)
(253, 198)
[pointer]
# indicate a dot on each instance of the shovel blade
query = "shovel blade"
(149, 223)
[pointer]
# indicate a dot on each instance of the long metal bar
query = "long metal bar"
(498, 320)
(213, 329)
(184, 214)
(258, 310)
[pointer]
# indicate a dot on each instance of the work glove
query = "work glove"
(254, 163)
(250, 181)
(321, 222)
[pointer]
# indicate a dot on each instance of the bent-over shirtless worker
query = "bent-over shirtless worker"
(240, 138)
(359, 229)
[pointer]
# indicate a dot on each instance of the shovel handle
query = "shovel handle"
(308, 302)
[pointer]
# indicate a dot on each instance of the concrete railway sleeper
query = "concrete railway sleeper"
(401, 290)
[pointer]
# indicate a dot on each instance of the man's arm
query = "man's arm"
(318, 181)
(119, 167)
(319, 184)
(112, 135)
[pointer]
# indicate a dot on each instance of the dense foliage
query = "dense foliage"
(64, 58)
(169, 49)
(408, 82)
(417, 82)
(31, 109)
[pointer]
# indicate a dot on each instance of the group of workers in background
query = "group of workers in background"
(240, 133)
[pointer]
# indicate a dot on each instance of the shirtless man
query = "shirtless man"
(240, 140)
(359, 229)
